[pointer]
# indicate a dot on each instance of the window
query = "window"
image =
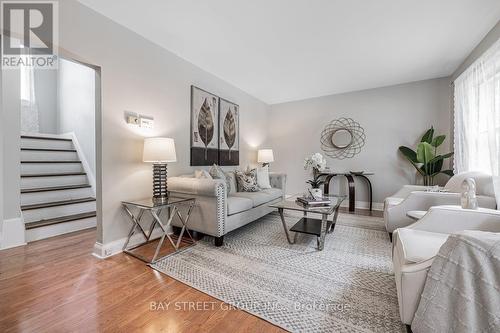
(477, 115)
(26, 84)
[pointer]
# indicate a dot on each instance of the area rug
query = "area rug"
(347, 287)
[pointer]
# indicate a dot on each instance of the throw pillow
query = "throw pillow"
(202, 174)
(217, 173)
(263, 177)
(247, 181)
(232, 181)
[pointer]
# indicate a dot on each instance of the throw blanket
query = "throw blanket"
(462, 291)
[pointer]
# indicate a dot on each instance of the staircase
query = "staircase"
(56, 197)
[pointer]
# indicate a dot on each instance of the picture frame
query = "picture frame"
(229, 132)
(204, 127)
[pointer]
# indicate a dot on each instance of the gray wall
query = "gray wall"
(46, 97)
(487, 41)
(390, 116)
(11, 143)
(76, 106)
(139, 76)
(2, 122)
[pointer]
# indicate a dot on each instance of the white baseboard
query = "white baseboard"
(12, 233)
(103, 251)
(364, 205)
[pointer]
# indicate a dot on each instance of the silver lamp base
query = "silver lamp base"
(160, 188)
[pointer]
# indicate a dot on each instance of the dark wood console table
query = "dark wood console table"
(350, 181)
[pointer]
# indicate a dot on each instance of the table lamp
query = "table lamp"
(159, 151)
(265, 156)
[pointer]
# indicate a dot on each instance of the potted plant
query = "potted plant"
(426, 160)
(316, 162)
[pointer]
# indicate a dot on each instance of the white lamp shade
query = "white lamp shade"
(265, 156)
(159, 150)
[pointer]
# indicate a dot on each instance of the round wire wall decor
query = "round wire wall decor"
(342, 138)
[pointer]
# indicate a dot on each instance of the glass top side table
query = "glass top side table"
(155, 209)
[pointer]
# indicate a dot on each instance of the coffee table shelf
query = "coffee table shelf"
(311, 226)
(307, 225)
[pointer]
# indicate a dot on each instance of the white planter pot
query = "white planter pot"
(317, 193)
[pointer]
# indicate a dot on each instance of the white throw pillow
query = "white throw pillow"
(202, 174)
(263, 177)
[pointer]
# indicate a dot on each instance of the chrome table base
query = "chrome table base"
(155, 212)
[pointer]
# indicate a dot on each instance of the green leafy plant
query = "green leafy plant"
(316, 182)
(426, 159)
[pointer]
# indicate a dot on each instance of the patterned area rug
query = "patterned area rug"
(347, 287)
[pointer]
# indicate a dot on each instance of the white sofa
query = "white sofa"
(414, 197)
(216, 213)
(415, 246)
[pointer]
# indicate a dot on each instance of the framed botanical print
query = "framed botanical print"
(229, 133)
(204, 127)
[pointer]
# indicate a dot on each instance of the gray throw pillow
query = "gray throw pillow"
(247, 181)
(217, 173)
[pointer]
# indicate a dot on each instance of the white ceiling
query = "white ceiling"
(283, 50)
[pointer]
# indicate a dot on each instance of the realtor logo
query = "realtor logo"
(30, 34)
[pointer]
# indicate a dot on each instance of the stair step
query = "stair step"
(56, 188)
(62, 174)
(48, 149)
(45, 168)
(51, 161)
(44, 138)
(61, 219)
(32, 198)
(57, 203)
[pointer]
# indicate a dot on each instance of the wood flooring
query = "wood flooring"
(56, 285)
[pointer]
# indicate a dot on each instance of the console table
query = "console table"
(350, 181)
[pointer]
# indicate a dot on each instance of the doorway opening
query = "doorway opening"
(60, 112)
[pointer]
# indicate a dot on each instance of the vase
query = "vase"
(317, 193)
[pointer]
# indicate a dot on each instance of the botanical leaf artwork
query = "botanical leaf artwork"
(205, 125)
(229, 130)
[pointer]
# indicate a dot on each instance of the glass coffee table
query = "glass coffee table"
(309, 225)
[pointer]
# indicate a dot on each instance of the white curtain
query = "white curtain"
(29, 108)
(477, 117)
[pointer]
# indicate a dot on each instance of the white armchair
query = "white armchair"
(412, 197)
(415, 247)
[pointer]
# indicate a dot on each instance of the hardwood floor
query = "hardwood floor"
(56, 285)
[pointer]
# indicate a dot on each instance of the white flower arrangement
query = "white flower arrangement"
(315, 161)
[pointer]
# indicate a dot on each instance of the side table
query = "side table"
(155, 209)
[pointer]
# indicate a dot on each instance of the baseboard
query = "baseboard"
(12, 233)
(364, 205)
(103, 251)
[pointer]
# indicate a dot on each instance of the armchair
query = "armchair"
(412, 197)
(415, 247)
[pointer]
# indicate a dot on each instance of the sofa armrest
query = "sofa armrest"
(210, 211)
(450, 219)
(195, 186)
(278, 180)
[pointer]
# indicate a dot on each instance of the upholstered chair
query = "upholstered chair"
(413, 197)
(415, 246)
